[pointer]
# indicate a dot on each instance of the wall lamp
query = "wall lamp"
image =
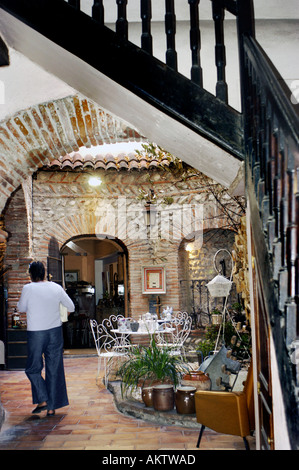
(94, 181)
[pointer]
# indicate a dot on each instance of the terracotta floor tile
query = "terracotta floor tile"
(91, 421)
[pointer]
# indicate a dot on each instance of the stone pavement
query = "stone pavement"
(91, 421)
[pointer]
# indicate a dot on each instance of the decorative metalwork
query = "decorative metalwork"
(108, 343)
(173, 334)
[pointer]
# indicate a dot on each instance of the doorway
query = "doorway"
(94, 276)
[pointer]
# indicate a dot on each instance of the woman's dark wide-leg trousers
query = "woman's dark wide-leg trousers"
(52, 388)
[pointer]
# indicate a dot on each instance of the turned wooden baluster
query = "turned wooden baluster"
(291, 234)
(75, 3)
(277, 191)
(221, 86)
(283, 206)
(196, 70)
(297, 252)
(170, 29)
(98, 11)
(146, 16)
(121, 22)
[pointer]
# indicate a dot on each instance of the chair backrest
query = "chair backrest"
(179, 329)
(181, 315)
(105, 340)
(182, 325)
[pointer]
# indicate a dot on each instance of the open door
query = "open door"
(55, 269)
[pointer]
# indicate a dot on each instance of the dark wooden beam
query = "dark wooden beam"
(4, 55)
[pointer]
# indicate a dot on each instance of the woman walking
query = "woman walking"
(40, 300)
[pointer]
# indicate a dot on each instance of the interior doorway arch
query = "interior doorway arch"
(94, 272)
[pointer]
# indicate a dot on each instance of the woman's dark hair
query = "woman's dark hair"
(37, 271)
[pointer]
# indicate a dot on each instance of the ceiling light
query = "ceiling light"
(94, 181)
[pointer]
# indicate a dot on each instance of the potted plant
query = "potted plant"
(216, 317)
(149, 365)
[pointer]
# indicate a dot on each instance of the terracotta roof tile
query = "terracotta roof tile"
(99, 164)
(122, 161)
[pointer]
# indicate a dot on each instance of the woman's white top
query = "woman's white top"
(41, 301)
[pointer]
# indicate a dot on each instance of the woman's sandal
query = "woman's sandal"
(50, 413)
(39, 408)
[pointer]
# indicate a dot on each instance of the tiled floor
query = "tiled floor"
(91, 421)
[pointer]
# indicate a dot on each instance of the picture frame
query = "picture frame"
(153, 280)
(71, 276)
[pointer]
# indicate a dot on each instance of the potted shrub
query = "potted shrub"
(216, 317)
(150, 365)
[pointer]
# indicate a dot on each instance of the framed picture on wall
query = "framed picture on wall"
(153, 280)
(71, 277)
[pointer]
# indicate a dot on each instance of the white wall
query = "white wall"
(25, 83)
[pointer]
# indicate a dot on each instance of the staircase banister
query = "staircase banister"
(274, 85)
(229, 5)
(117, 60)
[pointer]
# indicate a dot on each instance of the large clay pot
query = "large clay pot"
(197, 379)
(163, 397)
(147, 396)
(184, 400)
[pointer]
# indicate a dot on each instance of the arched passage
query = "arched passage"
(34, 137)
(95, 277)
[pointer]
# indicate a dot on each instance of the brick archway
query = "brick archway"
(34, 137)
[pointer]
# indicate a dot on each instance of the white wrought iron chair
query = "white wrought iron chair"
(173, 334)
(108, 344)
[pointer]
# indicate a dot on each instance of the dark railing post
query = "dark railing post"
(98, 11)
(221, 86)
(146, 16)
(246, 27)
(75, 3)
(196, 70)
(121, 22)
(170, 29)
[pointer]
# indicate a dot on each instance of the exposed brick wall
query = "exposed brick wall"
(35, 136)
(65, 206)
(56, 206)
(17, 257)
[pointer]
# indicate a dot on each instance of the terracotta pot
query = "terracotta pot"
(163, 397)
(197, 379)
(216, 319)
(184, 400)
(147, 396)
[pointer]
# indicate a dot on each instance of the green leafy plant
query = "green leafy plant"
(206, 346)
(241, 346)
(150, 363)
(216, 312)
